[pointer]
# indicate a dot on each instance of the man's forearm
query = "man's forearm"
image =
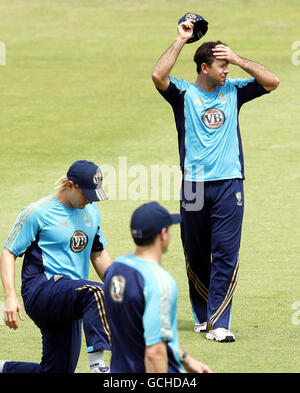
(263, 76)
(156, 358)
(101, 261)
(7, 272)
(168, 59)
(160, 74)
(12, 305)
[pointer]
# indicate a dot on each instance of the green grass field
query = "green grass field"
(77, 85)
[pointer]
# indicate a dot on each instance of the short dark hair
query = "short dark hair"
(144, 242)
(204, 54)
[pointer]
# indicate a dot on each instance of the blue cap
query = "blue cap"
(149, 219)
(200, 26)
(88, 176)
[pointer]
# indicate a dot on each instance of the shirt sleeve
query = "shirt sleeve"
(24, 231)
(99, 242)
(247, 90)
(157, 315)
(175, 90)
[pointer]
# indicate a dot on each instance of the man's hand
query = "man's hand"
(262, 75)
(11, 309)
(223, 52)
(194, 366)
(185, 30)
(12, 306)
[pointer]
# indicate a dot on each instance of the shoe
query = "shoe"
(101, 370)
(221, 335)
(200, 327)
(2, 362)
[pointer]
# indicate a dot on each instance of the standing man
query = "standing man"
(141, 301)
(58, 235)
(210, 149)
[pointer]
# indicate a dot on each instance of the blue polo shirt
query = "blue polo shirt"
(56, 239)
(209, 138)
(141, 305)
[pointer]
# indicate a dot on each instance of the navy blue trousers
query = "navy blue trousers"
(211, 236)
(59, 307)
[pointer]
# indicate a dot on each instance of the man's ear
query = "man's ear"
(70, 184)
(163, 233)
(204, 67)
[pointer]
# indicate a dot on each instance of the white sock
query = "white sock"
(96, 359)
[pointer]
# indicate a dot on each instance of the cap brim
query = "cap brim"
(176, 218)
(95, 195)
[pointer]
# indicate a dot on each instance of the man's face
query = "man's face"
(217, 72)
(166, 239)
(77, 199)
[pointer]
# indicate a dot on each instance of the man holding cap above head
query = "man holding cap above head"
(206, 113)
(141, 301)
(58, 236)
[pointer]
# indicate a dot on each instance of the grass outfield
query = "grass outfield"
(77, 85)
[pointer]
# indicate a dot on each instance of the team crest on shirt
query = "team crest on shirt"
(117, 288)
(63, 223)
(87, 220)
(222, 98)
(213, 118)
(78, 242)
(198, 101)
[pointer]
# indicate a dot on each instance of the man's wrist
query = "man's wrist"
(182, 356)
(239, 61)
(180, 40)
(10, 294)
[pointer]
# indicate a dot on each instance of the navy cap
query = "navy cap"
(149, 219)
(88, 176)
(200, 26)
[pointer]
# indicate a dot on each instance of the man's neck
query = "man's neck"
(62, 198)
(151, 253)
(204, 83)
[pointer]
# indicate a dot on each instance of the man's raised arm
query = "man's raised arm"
(263, 76)
(163, 67)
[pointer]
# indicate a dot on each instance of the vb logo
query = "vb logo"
(79, 241)
(213, 118)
